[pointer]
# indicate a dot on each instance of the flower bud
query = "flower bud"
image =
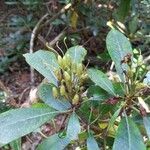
(55, 92)
(75, 100)
(67, 76)
(62, 90)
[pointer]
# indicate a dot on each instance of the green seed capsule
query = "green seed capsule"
(74, 67)
(75, 100)
(60, 61)
(84, 77)
(67, 76)
(68, 59)
(58, 74)
(55, 92)
(62, 90)
(79, 69)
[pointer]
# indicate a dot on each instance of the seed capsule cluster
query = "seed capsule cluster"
(71, 77)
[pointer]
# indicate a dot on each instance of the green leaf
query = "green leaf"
(54, 142)
(45, 94)
(119, 88)
(133, 25)
(113, 118)
(19, 122)
(100, 79)
(118, 47)
(77, 53)
(92, 144)
(128, 136)
(74, 127)
(44, 62)
(123, 10)
(146, 121)
(16, 145)
(95, 93)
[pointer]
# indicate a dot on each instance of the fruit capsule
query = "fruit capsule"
(55, 92)
(75, 99)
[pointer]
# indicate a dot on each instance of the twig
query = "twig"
(147, 59)
(33, 35)
(35, 32)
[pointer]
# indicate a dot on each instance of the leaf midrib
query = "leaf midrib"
(128, 131)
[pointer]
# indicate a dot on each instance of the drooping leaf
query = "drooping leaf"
(146, 121)
(19, 122)
(123, 10)
(44, 62)
(54, 142)
(92, 144)
(77, 53)
(128, 136)
(118, 47)
(45, 94)
(74, 127)
(100, 79)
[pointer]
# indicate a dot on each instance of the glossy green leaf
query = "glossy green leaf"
(74, 127)
(54, 142)
(77, 53)
(19, 122)
(45, 94)
(92, 144)
(146, 121)
(118, 47)
(128, 136)
(44, 62)
(100, 79)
